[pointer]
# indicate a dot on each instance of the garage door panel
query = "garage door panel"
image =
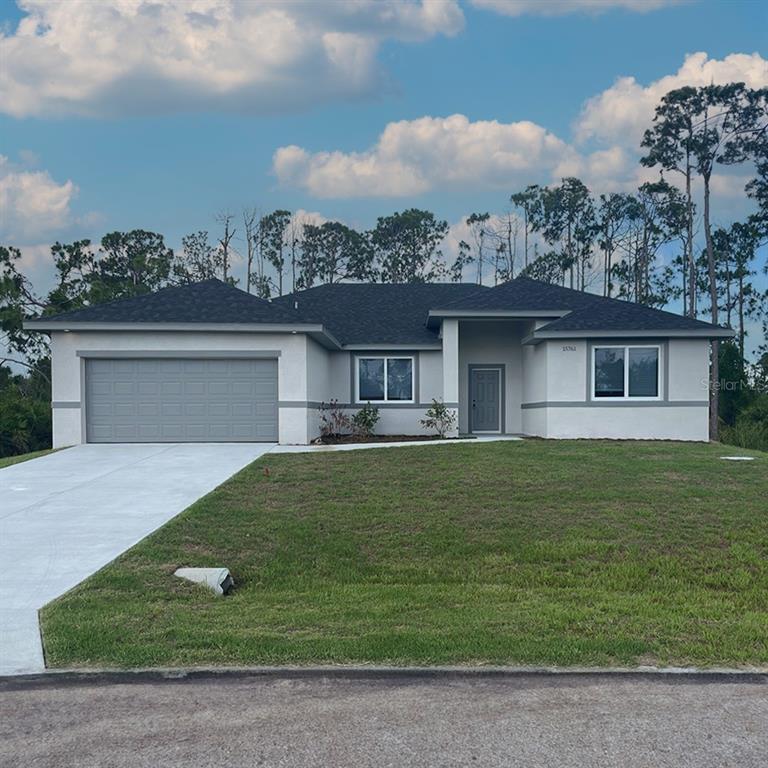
(180, 400)
(172, 387)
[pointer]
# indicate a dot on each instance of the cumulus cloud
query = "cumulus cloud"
(561, 7)
(129, 56)
(31, 202)
(413, 156)
(622, 112)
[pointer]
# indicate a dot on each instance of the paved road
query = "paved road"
(65, 515)
(562, 721)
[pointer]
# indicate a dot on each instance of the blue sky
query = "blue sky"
(137, 149)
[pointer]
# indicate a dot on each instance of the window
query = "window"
(385, 379)
(622, 373)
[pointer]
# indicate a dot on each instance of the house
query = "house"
(209, 362)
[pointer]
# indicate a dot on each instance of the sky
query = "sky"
(133, 114)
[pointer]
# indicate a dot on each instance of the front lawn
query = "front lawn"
(534, 552)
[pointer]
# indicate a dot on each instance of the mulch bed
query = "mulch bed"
(342, 439)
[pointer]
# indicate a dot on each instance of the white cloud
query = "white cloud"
(623, 112)
(129, 56)
(31, 202)
(413, 156)
(561, 7)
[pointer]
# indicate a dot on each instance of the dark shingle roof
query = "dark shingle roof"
(378, 313)
(210, 301)
(585, 311)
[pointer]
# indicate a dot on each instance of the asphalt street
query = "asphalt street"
(385, 720)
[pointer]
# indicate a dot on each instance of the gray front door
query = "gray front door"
(170, 400)
(485, 396)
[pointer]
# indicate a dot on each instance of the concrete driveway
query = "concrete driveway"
(536, 721)
(65, 515)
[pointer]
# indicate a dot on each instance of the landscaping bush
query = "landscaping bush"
(365, 420)
(440, 418)
(333, 420)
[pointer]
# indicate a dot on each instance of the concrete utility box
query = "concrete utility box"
(218, 580)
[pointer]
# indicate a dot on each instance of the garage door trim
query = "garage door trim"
(183, 354)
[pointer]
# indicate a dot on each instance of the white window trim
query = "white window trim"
(626, 398)
(385, 358)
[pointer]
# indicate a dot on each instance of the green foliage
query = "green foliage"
(272, 236)
(407, 246)
(735, 392)
(365, 420)
(25, 412)
(333, 252)
(750, 429)
(198, 260)
(129, 264)
(439, 417)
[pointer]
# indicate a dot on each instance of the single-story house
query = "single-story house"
(209, 362)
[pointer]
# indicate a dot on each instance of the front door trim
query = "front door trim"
(501, 368)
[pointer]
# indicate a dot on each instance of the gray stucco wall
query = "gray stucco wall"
(558, 401)
(68, 370)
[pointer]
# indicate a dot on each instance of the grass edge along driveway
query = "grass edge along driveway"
(9, 461)
(535, 552)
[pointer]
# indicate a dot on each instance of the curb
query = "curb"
(108, 676)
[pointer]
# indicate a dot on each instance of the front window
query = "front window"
(626, 372)
(385, 379)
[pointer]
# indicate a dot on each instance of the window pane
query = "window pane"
(643, 372)
(609, 372)
(371, 378)
(399, 379)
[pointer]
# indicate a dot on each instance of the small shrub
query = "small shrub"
(333, 420)
(365, 420)
(439, 417)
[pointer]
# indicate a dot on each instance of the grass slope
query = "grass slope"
(9, 461)
(537, 552)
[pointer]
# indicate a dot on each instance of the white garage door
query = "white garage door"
(147, 400)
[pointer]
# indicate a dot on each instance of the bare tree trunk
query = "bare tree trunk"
(525, 221)
(741, 318)
(225, 240)
(689, 243)
(714, 400)
(249, 220)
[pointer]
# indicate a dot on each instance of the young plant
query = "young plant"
(333, 420)
(365, 420)
(439, 417)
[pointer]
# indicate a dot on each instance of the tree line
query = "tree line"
(658, 245)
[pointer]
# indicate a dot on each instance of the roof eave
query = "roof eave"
(434, 316)
(677, 333)
(315, 330)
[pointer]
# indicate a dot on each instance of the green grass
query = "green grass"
(536, 552)
(9, 461)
